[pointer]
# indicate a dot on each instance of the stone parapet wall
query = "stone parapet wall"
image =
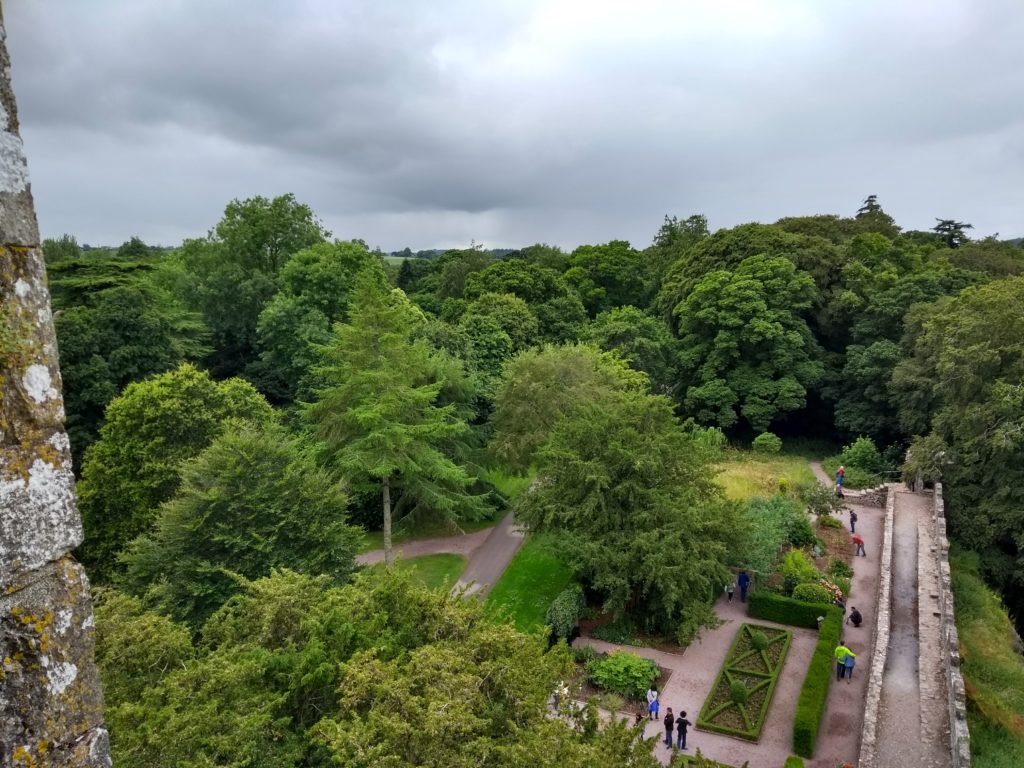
(873, 497)
(960, 739)
(880, 642)
(51, 703)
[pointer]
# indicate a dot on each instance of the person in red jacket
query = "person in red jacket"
(858, 542)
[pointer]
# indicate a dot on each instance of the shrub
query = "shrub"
(584, 654)
(767, 443)
(738, 692)
(696, 617)
(800, 532)
(862, 454)
(812, 593)
(814, 692)
(840, 568)
(619, 632)
(827, 521)
(820, 500)
(841, 584)
(610, 702)
(786, 610)
(797, 569)
(793, 762)
(565, 611)
(759, 640)
(624, 673)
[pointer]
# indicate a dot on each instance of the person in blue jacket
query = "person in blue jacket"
(744, 582)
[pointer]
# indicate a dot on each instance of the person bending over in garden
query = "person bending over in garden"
(652, 702)
(854, 618)
(853, 521)
(858, 543)
(681, 725)
(669, 722)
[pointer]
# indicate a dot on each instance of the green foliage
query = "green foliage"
(759, 640)
(771, 523)
(541, 386)
(747, 351)
(739, 699)
(439, 571)
(529, 585)
(252, 501)
(738, 693)
(992, 666)
(812, 593)
(697, 617)
(231, 274)
(827, 521)
(608, 276)
(624, 673)
(565, 611)
(810, 705)
(820, 500)
(641, 340)
(632, 502)
(315, 288)
(767, 443)
(512, 315)
(839, 568)
(619, 631)
(797, 568)
(785, 610)
(862, 454)
(793, 762)
(378, 412)
(151, 429)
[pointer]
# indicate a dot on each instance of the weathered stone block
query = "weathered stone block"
(50, 694)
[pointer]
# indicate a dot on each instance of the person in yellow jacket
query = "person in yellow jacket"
(841, 653)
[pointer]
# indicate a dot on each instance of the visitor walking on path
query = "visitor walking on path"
(730, 589)
(669, 722)
(840, 474)
(681, 725)
(849, 662)
(744, 582)
(652, 702)
(858, 543)
(841, 653)
(853, 521)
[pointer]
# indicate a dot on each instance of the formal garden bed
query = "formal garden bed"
(739, 699)
(617, 681)
(699, 761)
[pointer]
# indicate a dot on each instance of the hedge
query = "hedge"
(738, 702)
(793, 762)
(785, 610)
(814, 693)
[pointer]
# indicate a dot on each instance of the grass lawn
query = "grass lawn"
(993, 671)
(533, 579)
(431, 571)
(744, 474)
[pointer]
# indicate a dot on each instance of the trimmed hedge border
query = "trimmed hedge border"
(814, 692)
(785, 610)
(729, 669)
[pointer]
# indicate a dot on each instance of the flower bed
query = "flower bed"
(739, 699)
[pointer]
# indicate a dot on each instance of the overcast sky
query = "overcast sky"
(431, 123)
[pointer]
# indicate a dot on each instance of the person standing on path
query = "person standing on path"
(858, 543)
(652, 702)
(681, 725)
(841, 653)
(853, 521)
(669, 722)
(840, 474)
(730, 589)
(744, 582)
(848, 662)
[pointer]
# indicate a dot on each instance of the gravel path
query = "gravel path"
(490, 560)
(465, 544)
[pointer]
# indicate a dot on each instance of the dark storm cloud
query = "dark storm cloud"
(433, 123)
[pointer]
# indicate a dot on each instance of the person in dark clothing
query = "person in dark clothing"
(744, 582)
(669, 722)
(681, 725)
(853, 521)
(854, 618)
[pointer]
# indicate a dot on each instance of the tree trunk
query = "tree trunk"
(389, 556)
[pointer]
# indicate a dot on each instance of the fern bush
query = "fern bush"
(624, 673)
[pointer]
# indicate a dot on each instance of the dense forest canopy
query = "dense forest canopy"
(240, 405)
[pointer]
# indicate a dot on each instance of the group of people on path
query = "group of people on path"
(675, 727)
(743, 581)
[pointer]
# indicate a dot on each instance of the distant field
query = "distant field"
(744, 474)
(394, 259)
(432, 571)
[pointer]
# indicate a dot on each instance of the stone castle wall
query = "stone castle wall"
(51, 704)
(960, 739)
